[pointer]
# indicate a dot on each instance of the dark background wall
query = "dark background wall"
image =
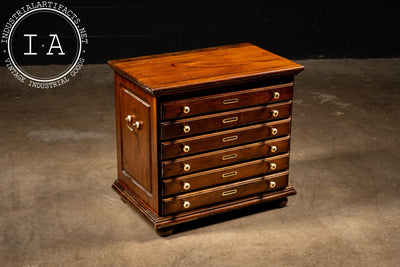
(292, 28)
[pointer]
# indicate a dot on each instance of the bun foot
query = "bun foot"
(282, 202)
(165, 231)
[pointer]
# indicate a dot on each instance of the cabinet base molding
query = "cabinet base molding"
(164, 222)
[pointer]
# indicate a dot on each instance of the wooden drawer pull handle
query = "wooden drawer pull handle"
(230, 101)
(229, 192)
(229, 138)
(226, 157)
(229, 174)
(229, 120)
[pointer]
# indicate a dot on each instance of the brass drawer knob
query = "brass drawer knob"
(186, 148)
(272, 184)
(186, 204)
(186, 109)
(186, 128)
(186, 167)
(186, 186)
(274, 131)
(275, 113)
(276, 95)
(273, 149)
(272, 166)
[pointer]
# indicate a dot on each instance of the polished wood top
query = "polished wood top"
(171, 72)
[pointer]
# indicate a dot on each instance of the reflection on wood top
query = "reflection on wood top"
(224, 64)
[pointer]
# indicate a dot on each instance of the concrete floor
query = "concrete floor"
(58, 161)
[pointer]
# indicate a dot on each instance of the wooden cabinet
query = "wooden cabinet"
(203, 132)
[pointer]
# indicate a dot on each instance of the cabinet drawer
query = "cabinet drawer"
(208, 142)
(225, 193)
(223, 175)
(219, 121)
(221, 102)
(186, 165)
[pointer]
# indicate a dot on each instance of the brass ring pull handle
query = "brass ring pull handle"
(273, 149)
(186, 186)
(186, 148)
(186, 128)
(272, 184)
(272, 166)
(186, 204)
(186, 167)
(276, 95)
(275, 113)
(186, 109)
(132, 125)
(274, 131)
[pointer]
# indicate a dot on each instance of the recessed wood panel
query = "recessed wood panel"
(136, 155)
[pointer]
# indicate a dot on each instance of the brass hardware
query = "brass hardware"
(229, 120)
(276, 95)
(226, 157)
(186, 109)
(186, 204)
(186, 186)
(274, 131)
(272, 166)
(229, 192)
(186, 148)
(275, 113)
(186, 167)
(273, 149)
(186, 128)
(230, 101)
(229, 138)
(272, 184)
(131, 125)
(229, 174)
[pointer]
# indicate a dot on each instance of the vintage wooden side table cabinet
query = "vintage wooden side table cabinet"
(203, 132)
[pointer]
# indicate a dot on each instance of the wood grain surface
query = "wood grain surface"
(159, 74)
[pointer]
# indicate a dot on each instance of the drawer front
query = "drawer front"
(221, 102)
(219, 121)
(225, 193)
(223, 175)
(207, 142)
(186, 165)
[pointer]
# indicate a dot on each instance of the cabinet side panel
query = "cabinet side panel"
(136, 141)
(137, 153)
